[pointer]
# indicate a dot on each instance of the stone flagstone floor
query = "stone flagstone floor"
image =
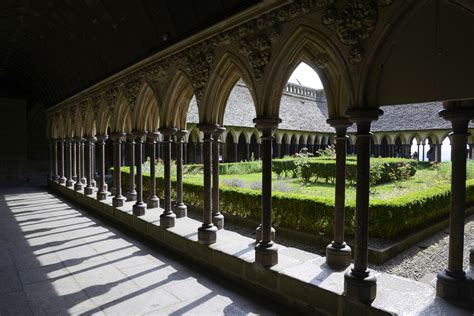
(55, 260)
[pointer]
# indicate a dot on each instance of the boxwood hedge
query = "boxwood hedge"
(382, 170)
(313, 214)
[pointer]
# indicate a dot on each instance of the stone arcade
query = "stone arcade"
(367, 54)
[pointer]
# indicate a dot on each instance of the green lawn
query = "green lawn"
(423, 179)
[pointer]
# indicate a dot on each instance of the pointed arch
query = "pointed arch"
(90, 121)
(121, 120)
(69, 127)
(228, 70)
(103, 118)
(78, 123)
(145, 112)
(308, 45)
(177, 99)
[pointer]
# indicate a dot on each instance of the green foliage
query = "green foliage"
(244, 167)
(302, 164)
(388, 218)
(382, 170)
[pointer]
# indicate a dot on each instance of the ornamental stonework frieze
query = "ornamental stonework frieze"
(131, 88)
(198, 65)
(257, 49)
(353, 23)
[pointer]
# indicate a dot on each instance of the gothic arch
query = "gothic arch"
(90, 121)
(78, 122)
(177, 99)
(305, 44)
(146, 109)
(228, 70)
(103, 118)
(121, 118)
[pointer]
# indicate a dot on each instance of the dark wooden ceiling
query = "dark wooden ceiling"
(51, 49)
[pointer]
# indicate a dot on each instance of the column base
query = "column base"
(258, 234)
(361, 289)
(78, 186)
(84, 181)
(458, 291)
(167, 220)
(102, 195)
(89, 190)
(181, 210)
(338, 258)
(207, 234)
(69, 183)
(266, 255)
(62, 180)
(153, 202)
(139, 208)
(131, 196)
(218, 220)
(118, 201)
(94, 183)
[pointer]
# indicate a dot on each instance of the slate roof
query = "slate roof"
(240, 111)
(303, 113)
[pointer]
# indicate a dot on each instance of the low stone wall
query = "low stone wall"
(301, 280)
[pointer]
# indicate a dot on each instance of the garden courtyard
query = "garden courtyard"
(406, 197)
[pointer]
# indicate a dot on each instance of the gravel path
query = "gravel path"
(429, 256)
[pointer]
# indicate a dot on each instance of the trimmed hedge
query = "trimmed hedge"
(313, 214)
(382, 170)
(244, 167)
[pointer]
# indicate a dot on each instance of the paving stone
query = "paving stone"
(14, 303)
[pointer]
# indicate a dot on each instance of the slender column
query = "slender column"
(168, 217)
(180, 208)
(74, 162)
(153, 201)
(139, 207)
(338, 253)
(51, 157)
(235, 152)
(207, 233)
(55, 157)
(102, 192)
(452, 283)
(83, 161)
(69, 181)
(423, 146)
(217, 217)
(78, 186)
(359, 282)
(185, 152)
(93, 163)
(438, 152)
(266, 251)
(117, 138)
(89, 189)
(418, 151)
(131, 194)
(62, 178)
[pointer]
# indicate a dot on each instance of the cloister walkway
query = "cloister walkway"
(56, 260)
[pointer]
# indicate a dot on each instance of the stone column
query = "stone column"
(153, 200)
(452, 283)
(168, 217)
(102, 191)
(217, 217)
(83, 161)
(131, 194)
(78, 186)
(69, 181)
(418, 152)
(139, 207)
(266, 252)
(359, 282)
(236, 151)
(117, 138)
(74, 161)
(277, 150)
(51, 155)
(89, 189)
(338, 253)
(55, 157)
(423, 147)
(207, 233)
(180, 209)
(438, 152)
(62, 178)
(94, 162)
(185, 151)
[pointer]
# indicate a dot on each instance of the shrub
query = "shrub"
(244, 167)
(387, 218)
(382, 170)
